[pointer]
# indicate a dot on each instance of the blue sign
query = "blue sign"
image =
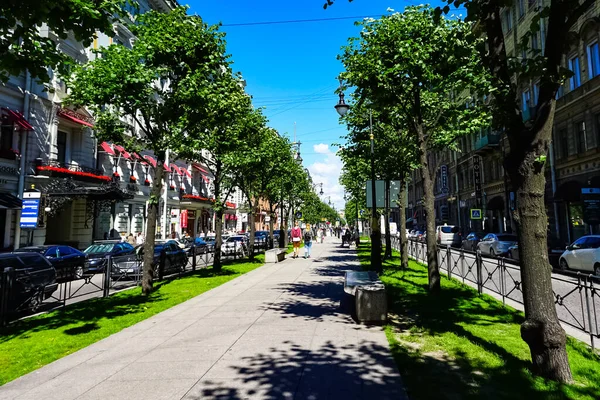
(362, 212)
(298, 215)
(30, 210)
(476, 213)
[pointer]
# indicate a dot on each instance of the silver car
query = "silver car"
(496, 244)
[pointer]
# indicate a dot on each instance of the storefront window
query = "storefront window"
(578, 227)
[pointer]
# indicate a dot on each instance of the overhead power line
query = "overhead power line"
(301, 21)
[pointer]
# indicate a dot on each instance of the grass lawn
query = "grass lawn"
(32, 343)
(461, 345)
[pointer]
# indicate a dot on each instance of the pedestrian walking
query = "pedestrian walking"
(296, 239)
(308, 237)
(139, 240)
(319, 236)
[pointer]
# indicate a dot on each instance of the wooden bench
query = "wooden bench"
(275, 255)
(369, 296)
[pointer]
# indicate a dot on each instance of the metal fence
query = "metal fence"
(576, 295)
(20, 296)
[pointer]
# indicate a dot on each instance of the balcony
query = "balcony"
(65, 170)
(487, 143)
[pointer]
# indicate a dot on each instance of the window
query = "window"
(576, 78)
(560, 92)
(6, 137)
(507, 21)
(536, 93)
(563, 144)
(61, 147)
(535, 44)
(593, 60)
(525, 101)
(581, 137)
(521, 8)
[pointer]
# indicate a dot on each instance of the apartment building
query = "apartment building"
(474, 176)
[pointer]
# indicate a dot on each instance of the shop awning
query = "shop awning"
(8, 201)
(17, 118)
(73, 118)
(186, 172)
(123, 152)
(151, 160)
(107, 148)
(199, 168)
(167, 168)
(176, 169)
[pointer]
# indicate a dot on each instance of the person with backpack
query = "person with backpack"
(296, 239)
(308, 237)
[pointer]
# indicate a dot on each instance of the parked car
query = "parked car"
(176, 259)
(98, 252)
(35, 280)
(496, 244)
(68, 262)
(583, 254)
(471, 240)
(553, 252)
(422, 236)
(200, 246)
(448, 235)
(237, 244)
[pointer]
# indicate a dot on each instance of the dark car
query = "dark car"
(34, 280)
(200, 246)
(98, 252)
(68, 262)
(471, 240)
(176, 259)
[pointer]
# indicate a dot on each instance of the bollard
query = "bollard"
(234, 250)
(448, 263)
(193, 257)
(107, 270)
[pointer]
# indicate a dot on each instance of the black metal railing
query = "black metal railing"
(576, 295)
(67, 166)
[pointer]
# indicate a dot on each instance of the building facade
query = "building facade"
(473, 177)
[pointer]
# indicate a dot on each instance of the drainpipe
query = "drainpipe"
(457, 191)
(553, 178)
(166, 217)
(23, 149)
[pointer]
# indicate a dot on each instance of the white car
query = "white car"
(583, 254)
(448, 235)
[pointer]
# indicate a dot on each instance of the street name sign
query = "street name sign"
(31, 210)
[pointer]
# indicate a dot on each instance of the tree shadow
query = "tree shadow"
(329, 370)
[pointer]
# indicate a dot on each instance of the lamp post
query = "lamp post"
(342, 108)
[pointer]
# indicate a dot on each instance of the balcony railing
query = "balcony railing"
(487, 143)
(79, 172)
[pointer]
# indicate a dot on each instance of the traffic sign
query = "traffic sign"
(30, 210)
(362, 212)
(298, 215)
(476, 213)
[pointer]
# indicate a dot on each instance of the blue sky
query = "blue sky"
(292, 68)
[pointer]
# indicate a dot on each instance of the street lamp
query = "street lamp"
(342, 108)
(318, 184)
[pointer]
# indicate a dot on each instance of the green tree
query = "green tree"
(529, 141)
(25, 46)
(172, 78)
(420, 69)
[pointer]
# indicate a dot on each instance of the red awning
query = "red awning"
(136, 155)
(167, 168)
(175, 168)
(205, 178)
(107, 148)
(18, 119)
(199, 168)
(151, 160)
(123, 152)
(70, 117)
(186, 172)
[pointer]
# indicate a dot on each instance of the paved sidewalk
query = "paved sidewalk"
(274, 333)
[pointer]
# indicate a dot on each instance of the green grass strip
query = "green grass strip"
(34, 342)
(462, 345)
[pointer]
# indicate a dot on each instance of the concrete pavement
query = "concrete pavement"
(275, 333)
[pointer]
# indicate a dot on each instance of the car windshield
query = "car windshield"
(447, 229)
(100, 248)
(507, 238)
(235, 239)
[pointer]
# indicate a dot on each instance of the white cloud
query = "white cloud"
(327, 171)
(321, 148)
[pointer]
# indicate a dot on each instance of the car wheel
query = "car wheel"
(563, 264)
(36, 301)
(492, 253)
(78, 272)
(597, 269)
(509, 255)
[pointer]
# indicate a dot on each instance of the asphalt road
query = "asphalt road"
(502, 279)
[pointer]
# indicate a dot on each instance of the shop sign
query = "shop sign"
(184, 218)
(191, 214)
(591, 205)
(444, 178)
(477, 178)
(30, 209)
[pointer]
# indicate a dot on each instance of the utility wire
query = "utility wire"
(300, 21)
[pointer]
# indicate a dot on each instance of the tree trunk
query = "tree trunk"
(153, 202)
(388, 237)
(541, 330)
(271, 227)
(218, 218)
(252, 230)
(433, 271)
(403, 238)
